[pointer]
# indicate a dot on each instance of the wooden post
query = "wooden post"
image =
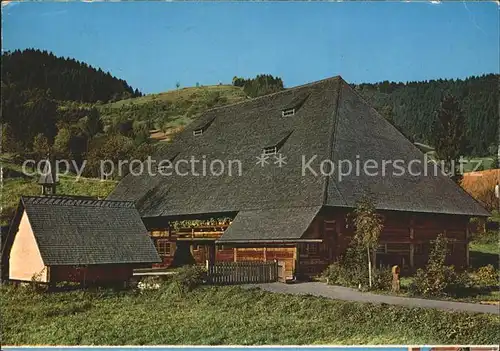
(296, 263)
(412, 253)
(412, 230)
(265, 254)
(395, 278)
(412, 245)
(235, 256)
(467, 237)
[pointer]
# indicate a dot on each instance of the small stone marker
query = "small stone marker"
(395, 278)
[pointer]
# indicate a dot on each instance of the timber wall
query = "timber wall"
(406, 240)
(94, 274)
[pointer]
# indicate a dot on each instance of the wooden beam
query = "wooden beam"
(412, 229)
(295, 263)
(412, 255)
(467, 238)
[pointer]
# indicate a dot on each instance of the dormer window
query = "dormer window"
(203, 127)
(272, 150)
(288, 112)
(293, 105)
(275, 143)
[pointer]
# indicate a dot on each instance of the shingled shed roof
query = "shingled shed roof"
(332, 123)
(79, 231)
(275, 224)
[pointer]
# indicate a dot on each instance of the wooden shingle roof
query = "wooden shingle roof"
(332, 123)
(79, 231)
(281, 224)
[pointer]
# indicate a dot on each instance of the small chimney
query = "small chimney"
(48, 178)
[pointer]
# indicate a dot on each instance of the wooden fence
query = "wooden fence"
(245, 272)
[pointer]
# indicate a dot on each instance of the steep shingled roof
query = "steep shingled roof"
(240, 132)
(332, 123)
(80, 231)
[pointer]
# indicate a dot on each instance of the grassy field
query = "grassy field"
(14, 187)
(232, 93)
(486, 163)
(226, 315)
(171, 109)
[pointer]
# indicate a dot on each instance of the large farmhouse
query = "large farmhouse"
(279, 191)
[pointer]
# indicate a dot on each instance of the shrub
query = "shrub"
(36, 285)
(487, 276)
(188, 278)
(350, 270)
(149, 283)
(437, 279)
(382, 278)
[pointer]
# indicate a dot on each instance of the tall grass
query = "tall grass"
(227, 315)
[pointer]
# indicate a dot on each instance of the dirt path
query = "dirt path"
(341, 293)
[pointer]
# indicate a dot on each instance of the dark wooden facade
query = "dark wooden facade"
(406, 240)
(109, 274)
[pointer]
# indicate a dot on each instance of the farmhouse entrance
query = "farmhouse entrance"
(183, 255)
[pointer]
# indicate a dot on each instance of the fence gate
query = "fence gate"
(244, 272)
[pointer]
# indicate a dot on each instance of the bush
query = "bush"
(382, 279)
(188, 278)
(487, 276)
(437, 279)
(350, 270)
(149, 283)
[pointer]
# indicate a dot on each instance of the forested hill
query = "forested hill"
(411, 106)
(65, 78)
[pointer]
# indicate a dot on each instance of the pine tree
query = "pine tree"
(449, 134)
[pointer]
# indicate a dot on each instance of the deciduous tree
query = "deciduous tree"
(368, 226)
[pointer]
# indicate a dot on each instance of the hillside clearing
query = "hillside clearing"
(232, 93)
(15, 187)
(172, 110)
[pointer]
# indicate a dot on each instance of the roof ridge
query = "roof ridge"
(333, 138)
(69, 201)
(275, 93)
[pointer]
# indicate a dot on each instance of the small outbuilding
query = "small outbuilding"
(56, 239)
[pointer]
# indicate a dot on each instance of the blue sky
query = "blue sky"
(154, 45)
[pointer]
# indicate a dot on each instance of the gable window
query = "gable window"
(197, 132)
(288, 112)
(272, 150)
